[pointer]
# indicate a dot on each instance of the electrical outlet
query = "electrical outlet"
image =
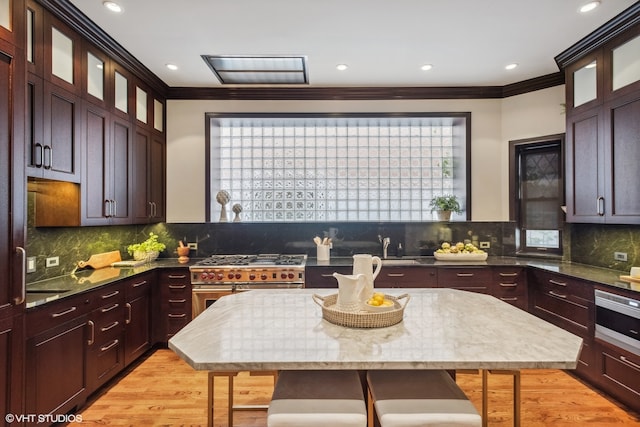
(193, 246)
(620, 256)
(53, 261)
(485, 245)
(31, 264)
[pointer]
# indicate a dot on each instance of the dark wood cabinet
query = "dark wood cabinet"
(105, 355)
(407, 277)
(174, 302)
(53, 132)
(57, 346)
(603, 139)
(15, 21)
(106, 168)
(12, 217)
(138, 306)
(148, 177)
(322, 276)
(510, 285)
(475, 279)
(619, 374)
(567, 303)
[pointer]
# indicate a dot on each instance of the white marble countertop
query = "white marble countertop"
(441, 329)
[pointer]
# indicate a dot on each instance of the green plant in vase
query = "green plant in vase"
(147, 250)
(444, 205)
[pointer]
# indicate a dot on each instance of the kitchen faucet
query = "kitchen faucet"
(385, 245)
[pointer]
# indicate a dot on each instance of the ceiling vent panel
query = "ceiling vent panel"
(256, 70)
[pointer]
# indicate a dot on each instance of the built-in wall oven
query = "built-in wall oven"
(618, 320)
(221, 275)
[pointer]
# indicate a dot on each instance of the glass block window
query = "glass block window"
(325, 168)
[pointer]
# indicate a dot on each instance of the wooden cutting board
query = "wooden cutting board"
(630, 279)
(102, 260)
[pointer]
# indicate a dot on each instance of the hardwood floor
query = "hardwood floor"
(165, 391)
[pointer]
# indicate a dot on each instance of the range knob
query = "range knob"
(252, 276)
(204, 276)
(263, 276)
(220, 276)
(238, 276)
(230, 276)
(283, 275)
(291, 275)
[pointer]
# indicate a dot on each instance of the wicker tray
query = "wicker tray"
(361, 319)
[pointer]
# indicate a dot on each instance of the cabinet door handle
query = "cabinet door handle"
(128, 314)
(111, 326)
(395, 274)
(177, 286)
(135, 285)
(38, 162)
(600, 206)
(177, 301)
(23, 286)
(47, 164)
(112, 294)
(93, 332)
(177, 276)
(109, 346)
(107, 208)
(108, 309)
(624, 359)
(115, 208)
(557, 295)
(178, 316)
(554, 282)
(62, 313)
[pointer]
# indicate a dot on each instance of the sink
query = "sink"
(392, 262)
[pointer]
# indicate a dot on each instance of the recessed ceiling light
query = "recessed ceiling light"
(589, 6)
(172, 67)
(511, 66)
(341, 67)
(112, 6)
(426, 67)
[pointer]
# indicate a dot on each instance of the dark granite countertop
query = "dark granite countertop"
(42, 292)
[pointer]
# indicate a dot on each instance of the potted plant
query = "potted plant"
(147, 250)
(444, 205)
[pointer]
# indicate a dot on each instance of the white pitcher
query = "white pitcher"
(363, 264)
(349, 291)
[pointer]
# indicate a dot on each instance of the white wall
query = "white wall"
(493, 123)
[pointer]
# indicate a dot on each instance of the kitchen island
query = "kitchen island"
(442, 329)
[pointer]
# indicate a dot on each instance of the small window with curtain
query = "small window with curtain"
(538, 194)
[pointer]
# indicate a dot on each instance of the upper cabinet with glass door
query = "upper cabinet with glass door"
(622, 72)
(584, 83)
(96, 87)
(63, 57)
(11, 20)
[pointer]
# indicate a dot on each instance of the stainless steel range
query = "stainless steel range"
(221, 275)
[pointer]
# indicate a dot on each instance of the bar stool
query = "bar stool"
(231, 406)
(318, 399)
(419, 398)
(485, 391)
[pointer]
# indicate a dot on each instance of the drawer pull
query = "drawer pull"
(135, 285)
(327, 275)
(464, 274)
(109, 346)
(177, 301)
(555, 282)
(93, 332)
(508, 274)
(395, 275)
(633, 331)
(508, 285)
(509, 299)
(175, 276)
(625, 360)
(63, 313)
(177, 286)
(112, 294)
(557, 295)
(178, 316)
(111, 326)
(108, 309)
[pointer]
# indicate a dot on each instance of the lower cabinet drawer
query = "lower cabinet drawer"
(621, 376)
(477, 279)
(562, 312)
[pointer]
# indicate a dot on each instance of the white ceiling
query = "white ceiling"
(469, 42)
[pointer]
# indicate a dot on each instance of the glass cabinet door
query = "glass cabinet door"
(158, 116)
(585, 84)
(95, 76)
(121, 93)
(141, 105)
(5, 14)
(626, 64)
(61, 55)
